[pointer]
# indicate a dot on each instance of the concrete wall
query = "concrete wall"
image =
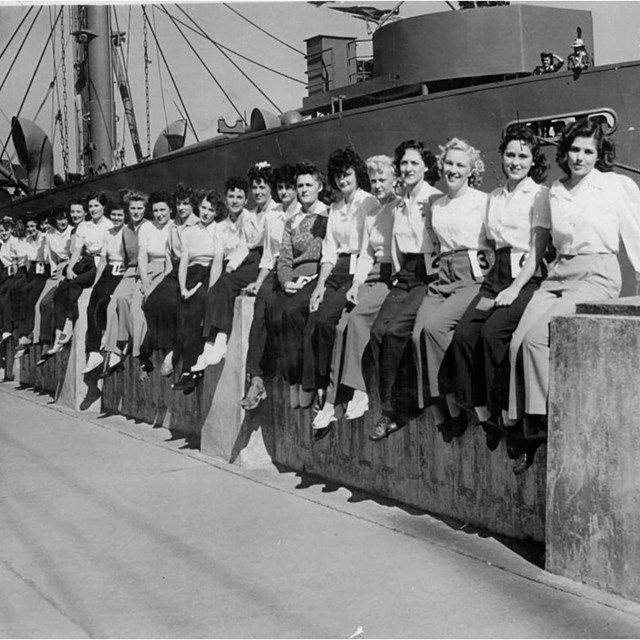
(593, 487)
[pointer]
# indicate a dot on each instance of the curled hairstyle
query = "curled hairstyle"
(161, 196)
(262, 171)
(306, 168)
(523, 133)
(586, 129)
(182, 193)
(431, 172)
(475, 159)
(236, 182)
(30, 217)
(341, 160)
(59, 211)
(377, 164)
(7, 223)
(217, 201)
(102, 198)
(285, 174)
(77, 201)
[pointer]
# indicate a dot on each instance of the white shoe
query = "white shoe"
(328, 414)
(215, 354)
(114, 360)
(94, 360)
(294, 396)
(358, 405)
(200, 365)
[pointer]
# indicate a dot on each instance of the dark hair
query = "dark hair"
(183, 193)
(160, 196)
(45, 215)
(431, 172)
(29, 217)
(306, 168)
(524, 133)
(217, 201)
(102, 198)
(236, 182)
(262, 171)
(341, 160)
(8, 222)
(285, 174)
(584, 128)
(76, 200)
(60, 211)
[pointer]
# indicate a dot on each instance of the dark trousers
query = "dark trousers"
(476, 365)
(10, 296)
(161, 313)
(294, 310)
(97, 308)
(391, 334)
(66, 297)
(222, 296)
(263, 354)
(47, 317)
(320, 330)
(191, 314)
(31, 291)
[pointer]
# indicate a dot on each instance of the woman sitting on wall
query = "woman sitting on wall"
(298, 267)
(13, 256)
(370, 287)
(457, 224)
(387, 352)
(58, 249)
(263, 351)
(35, 281)
(108, 276)
(591, 209)
(204, 248)
(340, 249)
(475, 371)
(80, 272)
(161, 306)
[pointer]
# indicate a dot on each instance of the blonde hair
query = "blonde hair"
(377, 164)
(475, 159)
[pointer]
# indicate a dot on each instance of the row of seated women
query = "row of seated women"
(419, 296)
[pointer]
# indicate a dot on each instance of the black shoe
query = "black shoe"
(492, 434)
(458, 424)
(445, 431)
(185, 382)
(145, 364)
(525, 460)
(319, 434)
(44, 357)
(383, 428)
(514, 441)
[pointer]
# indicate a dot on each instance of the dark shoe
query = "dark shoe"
(185, 382)
(525, 460)
(145, 364)
(458, 424)
(255, 395)
(319, 434)
(44, 357)
(492, 434)
(514, 441)
(383, 428)
(445, 431)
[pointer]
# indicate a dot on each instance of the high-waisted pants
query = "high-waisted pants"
(33, 287)
(66, 297)
(97, 307)
(161, 310)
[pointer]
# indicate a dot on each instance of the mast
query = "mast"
(101, 103)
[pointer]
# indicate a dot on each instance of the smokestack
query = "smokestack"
(171, 139)
(34, 152)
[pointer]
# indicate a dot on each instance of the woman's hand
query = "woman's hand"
(290, 288)
(70, 273)
(316, 298)
(252, 289)
(352, 294)
(507, 296)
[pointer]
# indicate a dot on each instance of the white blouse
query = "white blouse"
(154, 239)
(92, 235)
(592, 217)
(411, 220)
(459, 223)
(250, 223)
(13, 252)
(346, 224)
(113, 248)
(176, 232)
(274, 221)
(376, 239)
(512, 215)
(59, 245)
(36, 250)
(229, 241)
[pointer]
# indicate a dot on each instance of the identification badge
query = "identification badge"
(117, 269)
(432, 263)
(12, 269)
(39, 268)
(518, 259)
(353, 261)
(480, 264)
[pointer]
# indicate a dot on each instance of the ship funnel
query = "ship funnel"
(35, 154)
(261, 120)
(290, 117)
(171, 139)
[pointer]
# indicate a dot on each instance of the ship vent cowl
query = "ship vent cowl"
(171, 139)
(34, 153)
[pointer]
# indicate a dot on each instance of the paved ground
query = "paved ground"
(109, 528)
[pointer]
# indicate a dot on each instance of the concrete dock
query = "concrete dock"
(110, 528)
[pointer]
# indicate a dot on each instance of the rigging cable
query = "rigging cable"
(227, 96)
(263, 30)
(236, 53)
(118, 52)
(232, 62)
(15, 31)
(164, 105)
(20, 49)
(175, 86)
(147, 62)
(33, 77)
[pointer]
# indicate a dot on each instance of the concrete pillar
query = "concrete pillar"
(593, 482)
